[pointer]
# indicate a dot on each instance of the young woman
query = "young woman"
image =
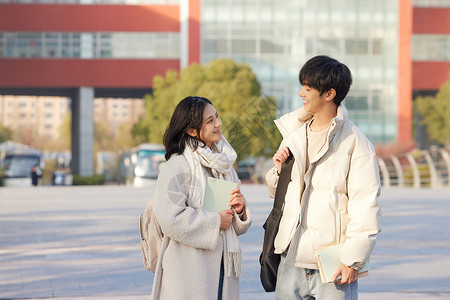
(200, 256)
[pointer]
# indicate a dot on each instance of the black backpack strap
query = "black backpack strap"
(283, 181)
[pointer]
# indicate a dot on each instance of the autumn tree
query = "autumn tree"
(435, 113)
(5, 134)
(124, 140)
(247, 115)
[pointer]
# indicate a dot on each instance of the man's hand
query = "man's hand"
(279, 157)
(348, 275)
(237, 200)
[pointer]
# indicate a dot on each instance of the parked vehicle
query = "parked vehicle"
(17, 168)
(140, 165)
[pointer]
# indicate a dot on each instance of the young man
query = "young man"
(332, 198)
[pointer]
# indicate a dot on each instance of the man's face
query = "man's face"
(313, 102)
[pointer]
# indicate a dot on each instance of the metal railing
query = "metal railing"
(418, 168)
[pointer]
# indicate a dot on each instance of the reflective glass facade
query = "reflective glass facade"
(277, 37)
(123, 45)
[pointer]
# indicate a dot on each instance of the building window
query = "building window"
(356, 102)
(430, 47)
(270, 47)
(356, 47)
(431, 3)
(215, 46)
(162, 45)
(331, 46)
(243, 46)
(377, 47)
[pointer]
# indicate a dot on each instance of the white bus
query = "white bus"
(17, 168)
(140, 165)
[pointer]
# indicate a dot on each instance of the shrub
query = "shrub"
(88, 180)
(424, 173)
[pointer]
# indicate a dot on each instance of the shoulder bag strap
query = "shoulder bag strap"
(283, 181)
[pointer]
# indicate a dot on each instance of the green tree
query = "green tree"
(65, 131)
(5, 134)
(235, 92)
(103, 137)
(140, 130)
(435, 113)
(124, 140)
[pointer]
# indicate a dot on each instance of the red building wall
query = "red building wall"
(430, 20)
(88, 18)
(430, 75)
(72, 72)
(57, 73)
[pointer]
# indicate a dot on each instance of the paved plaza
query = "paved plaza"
(82, 243)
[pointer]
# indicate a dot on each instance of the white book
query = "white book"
(328, 262)
(218, 194)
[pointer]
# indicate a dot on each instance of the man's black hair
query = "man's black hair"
(324, 73)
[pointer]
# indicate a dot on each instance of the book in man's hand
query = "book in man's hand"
(328, 262)
(218, 194)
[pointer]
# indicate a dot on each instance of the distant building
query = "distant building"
(87, 49)
(117, 111)
(45, 115)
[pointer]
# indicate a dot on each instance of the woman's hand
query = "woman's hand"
(279, 157)
(237, 200)
(226, 217)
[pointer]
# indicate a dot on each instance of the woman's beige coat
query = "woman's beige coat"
(339, 193)
(189, 262)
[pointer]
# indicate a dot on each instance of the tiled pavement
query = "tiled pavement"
(82, 243)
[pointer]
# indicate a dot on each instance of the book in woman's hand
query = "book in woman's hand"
(218, 194)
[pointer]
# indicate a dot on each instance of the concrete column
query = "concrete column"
(83, 132)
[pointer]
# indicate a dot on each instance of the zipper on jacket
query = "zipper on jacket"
(338, 227)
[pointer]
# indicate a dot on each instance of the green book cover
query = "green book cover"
(217, 194)
(328, 262)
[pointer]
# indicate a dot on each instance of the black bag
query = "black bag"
(268, 260)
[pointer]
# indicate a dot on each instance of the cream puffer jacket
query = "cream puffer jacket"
(340, 193)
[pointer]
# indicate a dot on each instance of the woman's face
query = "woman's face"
(210, 131)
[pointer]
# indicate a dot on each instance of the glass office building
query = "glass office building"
(277, 37)
(393, 48)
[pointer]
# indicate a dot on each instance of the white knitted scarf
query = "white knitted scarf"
(221, 164)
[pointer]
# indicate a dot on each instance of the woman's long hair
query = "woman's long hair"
(188, 114)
